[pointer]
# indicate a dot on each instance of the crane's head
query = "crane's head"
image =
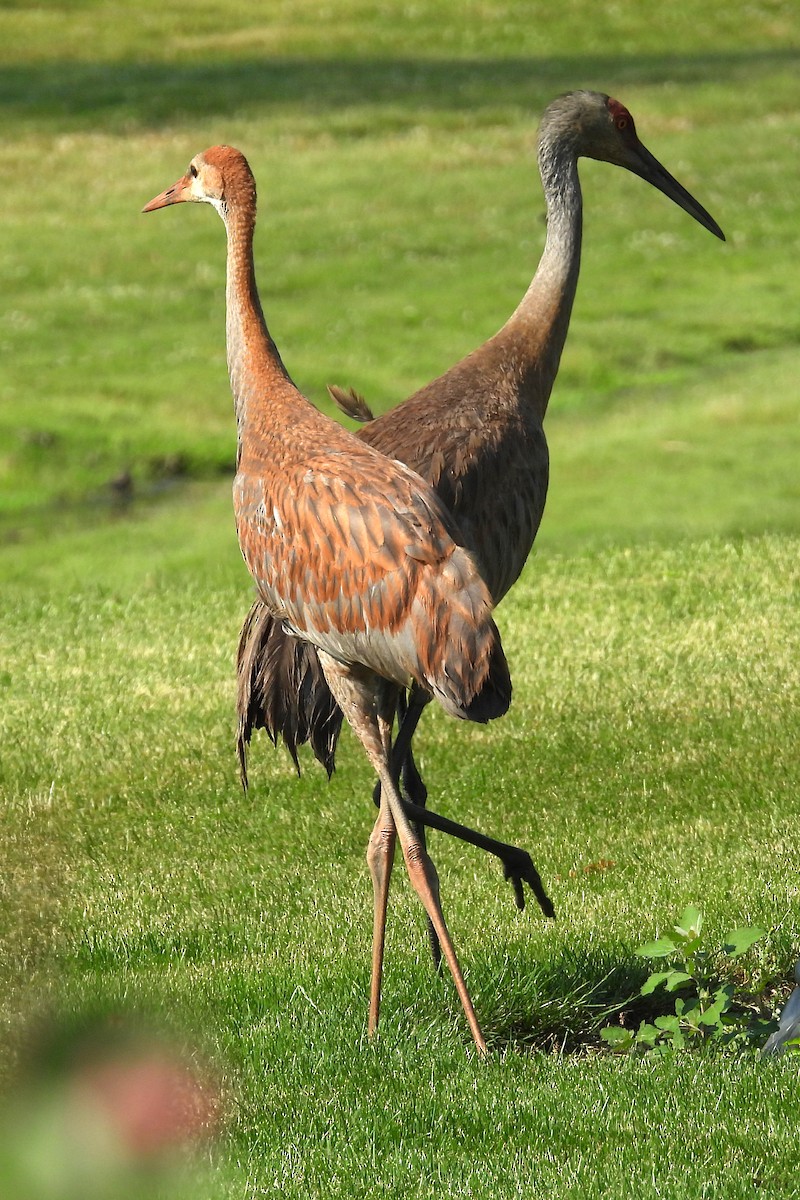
(220, 176)
(594, 125)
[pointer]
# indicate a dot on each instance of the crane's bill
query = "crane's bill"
(173, 195)
(647, 166)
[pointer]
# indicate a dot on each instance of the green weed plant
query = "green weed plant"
(710, 1007)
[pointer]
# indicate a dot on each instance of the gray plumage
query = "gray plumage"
(788, 1022)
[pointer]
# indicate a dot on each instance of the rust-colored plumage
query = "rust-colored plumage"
(351, 553)
(354, 557)
(476, 433)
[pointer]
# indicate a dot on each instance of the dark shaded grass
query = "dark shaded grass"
(125, 96)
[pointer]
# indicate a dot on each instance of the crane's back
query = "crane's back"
(472, 437)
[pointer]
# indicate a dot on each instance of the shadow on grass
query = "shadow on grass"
(560, 1005)
(150, 94)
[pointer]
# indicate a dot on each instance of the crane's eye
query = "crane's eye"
(193, 171)
(621, 122)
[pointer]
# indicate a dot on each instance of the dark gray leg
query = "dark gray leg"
(518, 865)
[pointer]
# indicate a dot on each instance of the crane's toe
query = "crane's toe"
(518, 868)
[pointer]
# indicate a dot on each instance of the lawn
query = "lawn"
(650, 756)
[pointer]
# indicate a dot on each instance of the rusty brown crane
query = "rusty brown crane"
(353, 554)
(476, 434)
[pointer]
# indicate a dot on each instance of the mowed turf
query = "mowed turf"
(648, 761)
(650, 757)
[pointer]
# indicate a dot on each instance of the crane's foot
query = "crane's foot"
(518, 869)
(518, 865)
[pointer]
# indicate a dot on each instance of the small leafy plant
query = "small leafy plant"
(707, 1009)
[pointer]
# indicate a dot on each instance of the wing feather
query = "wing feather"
(359, 557)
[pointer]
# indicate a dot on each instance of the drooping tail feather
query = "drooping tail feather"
(281, 689)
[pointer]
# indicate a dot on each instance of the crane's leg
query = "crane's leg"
(414, 791)
(380, 859)
(518, 866)
(409, 712)
(361, 695)
(425, 882)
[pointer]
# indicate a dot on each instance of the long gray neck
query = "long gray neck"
(541, 320)
(254, 363)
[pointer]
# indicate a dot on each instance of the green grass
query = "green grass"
(653, 637)
(112, 314)
(657, 679)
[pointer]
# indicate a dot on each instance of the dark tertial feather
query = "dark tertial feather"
(352, 403)
(281, 689)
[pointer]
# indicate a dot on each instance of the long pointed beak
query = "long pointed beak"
(173, 195)
(647, 166)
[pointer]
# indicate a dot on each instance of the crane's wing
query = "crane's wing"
(487, 464)
(356, 555)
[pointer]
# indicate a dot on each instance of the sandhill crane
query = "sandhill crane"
(476, 435)
(352, 553)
